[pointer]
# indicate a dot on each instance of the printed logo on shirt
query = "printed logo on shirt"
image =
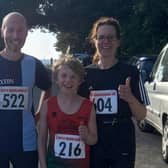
(7, 81)
(54, 114)
(90, 88)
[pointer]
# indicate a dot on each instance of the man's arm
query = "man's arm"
(44, 95)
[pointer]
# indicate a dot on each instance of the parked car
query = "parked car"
(157, 110)
(85, 58)
(144, 63)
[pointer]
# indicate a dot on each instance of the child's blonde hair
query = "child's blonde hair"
(74, 64)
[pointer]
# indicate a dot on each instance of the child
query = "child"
(70, 119)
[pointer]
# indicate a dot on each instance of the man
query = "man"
(19, 73)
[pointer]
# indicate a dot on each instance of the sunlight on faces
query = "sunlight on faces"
(14, 31)
(67, 79)
(68, 73)
(106, 41)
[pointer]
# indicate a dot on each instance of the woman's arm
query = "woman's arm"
(138, 109)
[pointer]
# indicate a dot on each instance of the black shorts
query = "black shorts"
(19, 160)
(115, 147)
(122, 160)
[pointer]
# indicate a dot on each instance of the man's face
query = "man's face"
(14, 32)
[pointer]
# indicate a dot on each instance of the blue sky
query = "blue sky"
(40, 45)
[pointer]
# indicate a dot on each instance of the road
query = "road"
(148, 149)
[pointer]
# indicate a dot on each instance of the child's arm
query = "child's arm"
(43, 136)
(89, 133)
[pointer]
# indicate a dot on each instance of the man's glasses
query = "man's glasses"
(108, 38)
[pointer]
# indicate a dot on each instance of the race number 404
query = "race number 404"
(105, 101)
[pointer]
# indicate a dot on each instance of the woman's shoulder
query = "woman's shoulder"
(128, 67)
(91, 66)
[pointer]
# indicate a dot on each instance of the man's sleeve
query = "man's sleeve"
(43, 76)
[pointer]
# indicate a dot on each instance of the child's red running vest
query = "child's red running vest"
(65, 143)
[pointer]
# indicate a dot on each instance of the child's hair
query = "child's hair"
(74, 64)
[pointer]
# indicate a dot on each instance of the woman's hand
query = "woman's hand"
(125, 92)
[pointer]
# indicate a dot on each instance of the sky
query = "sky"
(40, 45)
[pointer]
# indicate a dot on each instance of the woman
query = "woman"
(114, 88)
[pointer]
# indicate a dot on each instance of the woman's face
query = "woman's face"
(106, 41)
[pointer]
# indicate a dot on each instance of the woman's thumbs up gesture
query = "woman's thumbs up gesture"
(125, 92)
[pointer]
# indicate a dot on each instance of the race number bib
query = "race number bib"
(13, 98)
(69, 146)
(105, 101)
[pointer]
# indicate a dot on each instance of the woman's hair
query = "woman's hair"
(100, 22)
(74, 64)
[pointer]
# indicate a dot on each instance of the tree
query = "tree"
(77, 16)
(147, 27)
(144, 23)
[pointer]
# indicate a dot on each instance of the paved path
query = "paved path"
(149, 150)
